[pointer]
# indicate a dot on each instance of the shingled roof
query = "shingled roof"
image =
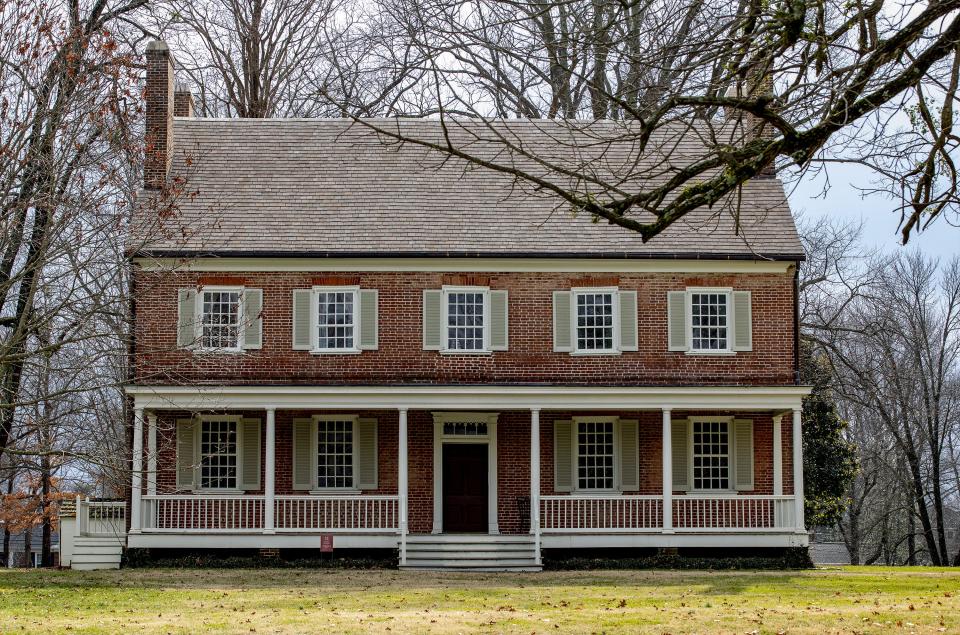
(334, 187)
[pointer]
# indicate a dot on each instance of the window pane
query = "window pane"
(220, 319)
(595, 455)
(708, 315)
(335, 317)
(711, 455)
(335, 453)
(594, 321)
(218, 455)
(465, 321)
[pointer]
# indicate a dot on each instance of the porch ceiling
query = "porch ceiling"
(470, 397)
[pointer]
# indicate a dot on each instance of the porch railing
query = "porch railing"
(691, 513)
(245, 513)
(600, 513)
(100, 518)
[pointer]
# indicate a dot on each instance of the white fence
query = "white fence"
(691, 513)
(101, 518)
(239, 514)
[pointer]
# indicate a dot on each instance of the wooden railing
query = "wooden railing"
(337, 513)
(600, 513)
(691, 513)
(101, 518)
(244, 513)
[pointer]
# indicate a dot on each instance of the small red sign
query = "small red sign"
(326, 543)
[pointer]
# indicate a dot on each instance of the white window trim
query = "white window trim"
(315, 319)
(615, 299)
(198, 319)
(315, 454)
(445, 343)
(198, 445)
(617, 488)
(728, 292)
(489, 439)
(730, 490)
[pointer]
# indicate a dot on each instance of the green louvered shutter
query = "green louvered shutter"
(563, 455)
(679, 441)
(365, 445)
(186, 454)
(743, 454)
(250, 454)
(302, 337)
(252, 315)
(186, 317)
(303, 436)
(562, 331)
(369, 337)
(629, 454)
(677, 321)
(628, 320)
(498, 320)
(742, 321)
(432, 319)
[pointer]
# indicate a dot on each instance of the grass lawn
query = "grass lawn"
(844, 600)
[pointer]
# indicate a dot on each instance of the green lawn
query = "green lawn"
(846, 600)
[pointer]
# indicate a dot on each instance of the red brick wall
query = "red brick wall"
(401, 358)
(513, 457)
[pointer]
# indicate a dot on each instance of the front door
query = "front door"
(465, 487)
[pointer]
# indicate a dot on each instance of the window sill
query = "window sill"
(335, 492)
(715, 493)
(472, 353)
(351, 351)
(598, 493)
(594, 353)
(218, 351)
(220, 492)
(712, 353)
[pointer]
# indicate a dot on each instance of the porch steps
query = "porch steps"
(471, 552)
(96, 552)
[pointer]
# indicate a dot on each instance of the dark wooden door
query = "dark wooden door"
(465, 487)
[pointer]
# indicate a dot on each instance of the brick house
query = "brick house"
(348, 337)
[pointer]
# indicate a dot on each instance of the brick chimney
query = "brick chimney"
(754, 127)
(159, 97)
(182, 101)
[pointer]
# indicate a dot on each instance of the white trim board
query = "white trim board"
(470, 397)
(465, 265)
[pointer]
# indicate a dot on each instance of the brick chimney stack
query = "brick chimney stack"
(159, 96)
(182, 101)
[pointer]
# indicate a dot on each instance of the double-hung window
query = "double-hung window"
(335, 453)
(466, 319)
(219, 318)
(595, 454)
(337, 319)
(709, 320)
(711, 454)
(596, 319)
(218, 454)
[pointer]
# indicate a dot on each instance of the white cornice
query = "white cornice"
(464, 265)
(472, 397)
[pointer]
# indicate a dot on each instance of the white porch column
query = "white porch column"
(269, 472)
(778, 455)
(535, 481)
(136, 479)
(667, 472)
(152, 454)
(402, 482)
(798, 471)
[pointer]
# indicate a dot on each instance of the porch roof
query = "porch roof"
(469, 397)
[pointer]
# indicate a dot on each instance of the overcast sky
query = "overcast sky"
(844, 201)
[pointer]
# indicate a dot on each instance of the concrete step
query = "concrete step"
(98, 549)
(94, 566)
(471, 553)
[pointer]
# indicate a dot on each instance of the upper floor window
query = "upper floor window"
(711, 455)
(337, 318)
(709, 320)
(595, 455)
(219, 318)
(596, 317)
(218, 454)
(467, 326)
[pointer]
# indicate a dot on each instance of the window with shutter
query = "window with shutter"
(596, 320)
(711, 453)
(220, 453)
(219, 319)
(336, 321)
(466, 320)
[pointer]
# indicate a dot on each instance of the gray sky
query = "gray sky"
(844, 202)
